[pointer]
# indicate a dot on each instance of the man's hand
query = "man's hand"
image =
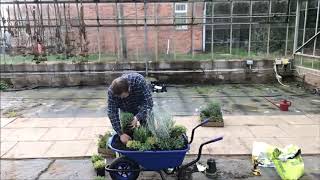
(124, 138)
(135, 123)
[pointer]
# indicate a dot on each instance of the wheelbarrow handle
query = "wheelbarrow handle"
(200, 151)
(193, 130)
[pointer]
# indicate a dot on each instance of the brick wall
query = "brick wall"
(179, 40)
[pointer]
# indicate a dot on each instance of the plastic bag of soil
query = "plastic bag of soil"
(288, 162)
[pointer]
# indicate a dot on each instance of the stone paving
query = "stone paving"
(228, 167)
(77, 137)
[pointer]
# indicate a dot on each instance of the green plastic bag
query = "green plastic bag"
(288, 162)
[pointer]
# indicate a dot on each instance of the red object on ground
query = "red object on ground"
(284, 105)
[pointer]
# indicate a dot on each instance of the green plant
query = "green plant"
(3, 85)
(95, 158)
(133, 144)
(100, 178)
(100, 164)
(160, 123)
(151, 140)
(125, 120)
(177, 131)
(212, 111)
(171, 143)
(141, 134)
(102, 143)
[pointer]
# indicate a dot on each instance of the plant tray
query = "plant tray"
(213, 123)
(106, 152)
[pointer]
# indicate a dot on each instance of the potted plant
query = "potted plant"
(212, 112)
(125, 121)
(160, 134)
(99, 166)
(95, 158)
(102, 145)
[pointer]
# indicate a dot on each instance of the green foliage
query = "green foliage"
(160, 134)
(141, 134)
(160, 123)
(171, 143)
(99, 164)
(95, 158)
(3, 85)
(102, 143)
(100, 178)
(178, 143)
(177, 131)
(125, 120)
(152, 141)
(212, 111)
(133, 144)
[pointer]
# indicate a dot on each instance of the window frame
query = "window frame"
(182, 27)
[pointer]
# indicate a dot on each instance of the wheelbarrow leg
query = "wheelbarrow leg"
(162, 176)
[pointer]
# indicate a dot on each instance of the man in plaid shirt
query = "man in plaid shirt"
(129, 93)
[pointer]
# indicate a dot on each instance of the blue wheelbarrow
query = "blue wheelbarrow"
(129, 165)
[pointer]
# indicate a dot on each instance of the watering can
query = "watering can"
(284, 105)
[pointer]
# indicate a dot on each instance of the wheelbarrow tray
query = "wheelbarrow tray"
(153, 160)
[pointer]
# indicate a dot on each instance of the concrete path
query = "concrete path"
(77, 137)
(230, 167)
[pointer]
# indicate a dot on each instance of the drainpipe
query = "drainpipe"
(145, 37)
(204, 28)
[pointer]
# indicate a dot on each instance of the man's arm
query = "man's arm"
(113, 113)
(147, 99)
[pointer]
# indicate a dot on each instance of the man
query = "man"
(129, 93)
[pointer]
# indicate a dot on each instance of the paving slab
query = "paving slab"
(5, 121)
(70, 169)
(267, 131)
(40, 122)
(229, 145)
(23, 169)
(23, 134)
(231, 131)
(28, 150)
(69, 148)
(92, 132)
(90, 122)
(248, 142)
(93, 148)
(251, 120)
(301, 120)
(307, 145)
(57, 134)
(5, 134)
(301, 130)
(6, 146)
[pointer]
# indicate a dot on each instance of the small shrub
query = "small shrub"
(177, 131)
(102, 143)
(133, 144)
(3, 85)
(212, 111)
(95, 158)
(125, 120)
(160, 124)
(141, 134)
(100, 164)
(152, 141)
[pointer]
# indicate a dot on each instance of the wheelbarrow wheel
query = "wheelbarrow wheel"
(123, 163)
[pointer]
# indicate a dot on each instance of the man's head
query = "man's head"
(120, 87)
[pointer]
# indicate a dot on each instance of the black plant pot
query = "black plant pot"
(101, 172)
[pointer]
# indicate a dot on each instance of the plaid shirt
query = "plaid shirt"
(138, 102)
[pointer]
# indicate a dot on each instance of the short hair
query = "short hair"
(119, 85)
